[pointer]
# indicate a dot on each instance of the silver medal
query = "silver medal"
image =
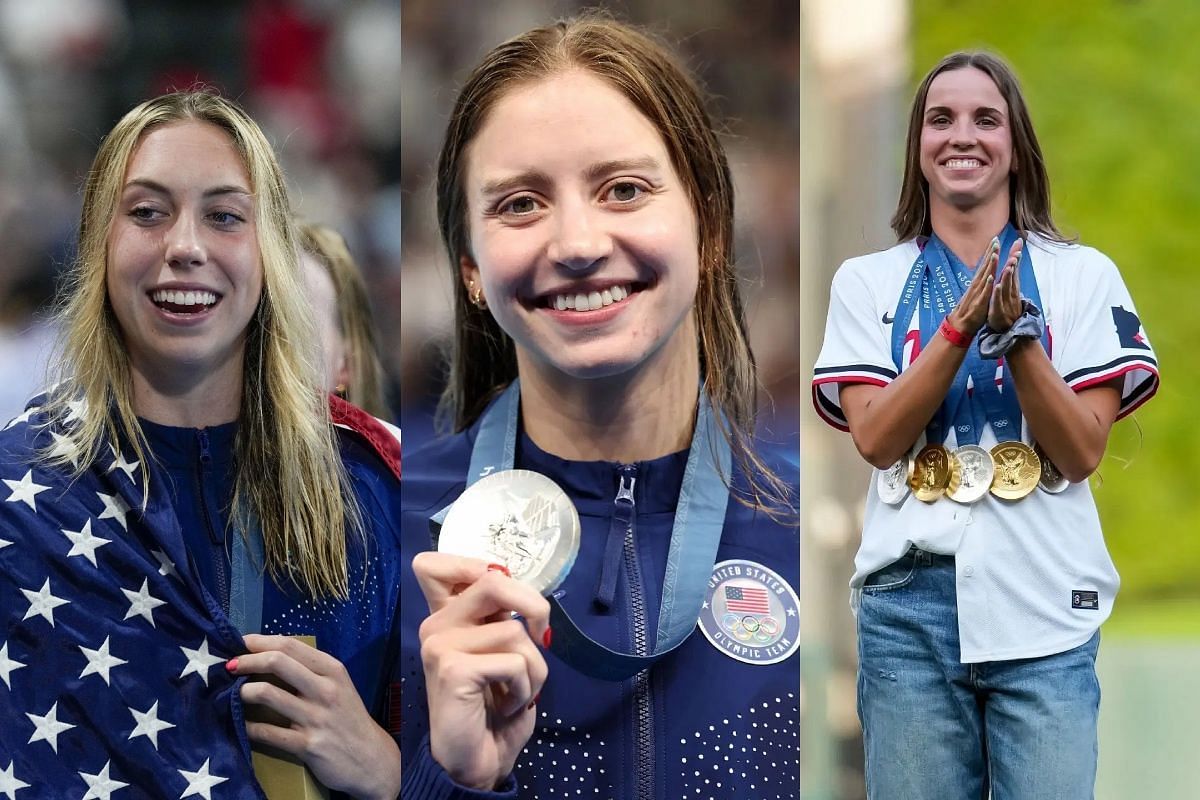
(892, 482)
(517, 518)
(1051, 480)
(971, 473)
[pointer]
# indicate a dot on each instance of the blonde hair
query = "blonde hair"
(365, 386)
(483, 359)
(305, 508)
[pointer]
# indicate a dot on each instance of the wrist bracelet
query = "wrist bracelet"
(997, 344)
(954, 336)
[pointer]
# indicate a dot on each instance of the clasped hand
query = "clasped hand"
(986, 300)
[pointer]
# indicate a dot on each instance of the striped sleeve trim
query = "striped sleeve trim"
(1141, 380)
(828, 380)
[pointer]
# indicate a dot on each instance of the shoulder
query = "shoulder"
(872, 265)
(784, 463)
(436, 471)
(1078, 259)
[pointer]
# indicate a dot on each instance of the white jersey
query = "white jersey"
(1025, 569)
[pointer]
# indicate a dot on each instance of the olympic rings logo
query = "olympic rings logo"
(751, 628)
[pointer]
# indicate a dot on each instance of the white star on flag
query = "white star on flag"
(25, 490)
(7, 665)
(83, 543)
(76, 409)
(4, 543)
(99, 661)
(47, 728)
(64, 446)
(200, 782)
(43, 602)
(10, 783)
(128, 467)
(148, 724)
(115, 507)
(141, 603)
(100, 786)
(23, 417)
(165, 565)
(199, 661)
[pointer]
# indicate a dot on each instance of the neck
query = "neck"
(968, 231)
(646, 413)
(185, 400)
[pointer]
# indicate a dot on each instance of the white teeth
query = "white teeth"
(962, 163)
(178, 298)
(591, 301)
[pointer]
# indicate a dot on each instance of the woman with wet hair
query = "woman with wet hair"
(600, 342)
(979, 366)
(181, 504)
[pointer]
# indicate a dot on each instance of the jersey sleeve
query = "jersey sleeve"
(857, 344)
(1104, 337)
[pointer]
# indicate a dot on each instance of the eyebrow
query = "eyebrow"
(214, 191)
(947, 110)
(600, 169)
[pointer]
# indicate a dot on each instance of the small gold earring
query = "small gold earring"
(340, 390)
(475, 294)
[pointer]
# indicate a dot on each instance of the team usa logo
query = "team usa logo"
(750, 613)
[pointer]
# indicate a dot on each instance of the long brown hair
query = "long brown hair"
(1029, 186)
(483, 358)
(284, 430)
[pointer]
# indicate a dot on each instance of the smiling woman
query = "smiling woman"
(586, 207)
(188, 372)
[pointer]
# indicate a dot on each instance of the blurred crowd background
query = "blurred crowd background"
(1112, 88)
(745, 55)
(320, 76)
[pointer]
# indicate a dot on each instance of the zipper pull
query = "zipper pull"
(205, 454)
(620, 524)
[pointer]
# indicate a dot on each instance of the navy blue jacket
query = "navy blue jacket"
(701, 723)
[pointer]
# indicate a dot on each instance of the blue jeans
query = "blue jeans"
(937, 729)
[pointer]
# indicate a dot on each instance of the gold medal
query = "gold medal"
(1018, 470)
(931, 473)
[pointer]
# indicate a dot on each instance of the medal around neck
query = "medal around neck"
(892, 483)
(1051, 480)
(971, 473)
(931, 474)
(1018, 470)
(517, 518)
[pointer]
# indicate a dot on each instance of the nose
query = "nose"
(963, 133)
(579, 241)
(184, 244)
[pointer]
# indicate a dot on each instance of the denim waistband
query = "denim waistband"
(928, 559)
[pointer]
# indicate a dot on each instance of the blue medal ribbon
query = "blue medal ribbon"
(940, 279)
(699, 517)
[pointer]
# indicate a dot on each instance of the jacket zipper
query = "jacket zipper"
(216, 537)
(624, 508)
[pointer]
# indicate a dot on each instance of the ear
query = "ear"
(343, 371)
(469, 272)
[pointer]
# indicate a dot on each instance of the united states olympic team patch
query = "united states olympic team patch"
(750, 613)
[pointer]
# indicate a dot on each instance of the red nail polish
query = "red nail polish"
(499, 568)
(231, 664)
(547, 637)
(533, 702)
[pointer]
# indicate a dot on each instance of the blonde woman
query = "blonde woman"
(343, 308)
(181, 501)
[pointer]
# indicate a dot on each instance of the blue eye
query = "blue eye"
(225, 218)
(143, 213)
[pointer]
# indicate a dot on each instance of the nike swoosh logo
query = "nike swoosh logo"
(888, 320)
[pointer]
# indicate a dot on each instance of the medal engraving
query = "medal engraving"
(1051, 480)
(931, 473)
(892, 483)
(1018, 470)
(517, 518)
(971, 474)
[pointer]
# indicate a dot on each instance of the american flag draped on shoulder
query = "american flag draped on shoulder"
(112, 679)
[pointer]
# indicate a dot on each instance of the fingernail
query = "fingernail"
(547, 637)
(231, 664)
(499, 568)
